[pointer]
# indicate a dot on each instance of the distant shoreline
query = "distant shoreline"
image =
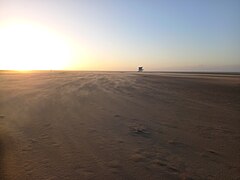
(180, 72)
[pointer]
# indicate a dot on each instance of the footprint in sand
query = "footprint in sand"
(172, 169)
(47, 125)
(114, 166)
(44, 136)
(159, 163)
(83, 171)
(32, 141)
(55, 144)
(138, 129)
(2, 116)
(27, 148)
(137, 157)
(211, 151)
(45, 163)
(177, 144)
(28, 168)
(165, 164)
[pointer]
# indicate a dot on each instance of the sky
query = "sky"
(161, 35)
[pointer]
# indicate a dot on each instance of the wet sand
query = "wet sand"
(119, 125)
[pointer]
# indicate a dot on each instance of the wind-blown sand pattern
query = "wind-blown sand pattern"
(113, 125)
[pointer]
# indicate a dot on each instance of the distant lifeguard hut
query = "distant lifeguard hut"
(140, 69)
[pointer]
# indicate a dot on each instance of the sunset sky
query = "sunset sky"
(183, 35)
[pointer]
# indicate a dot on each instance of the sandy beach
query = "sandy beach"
(119, 125)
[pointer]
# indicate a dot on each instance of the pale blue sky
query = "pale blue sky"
(157, 34)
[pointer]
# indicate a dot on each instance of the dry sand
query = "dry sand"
(119, 125)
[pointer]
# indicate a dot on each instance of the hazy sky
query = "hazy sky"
(123, 34)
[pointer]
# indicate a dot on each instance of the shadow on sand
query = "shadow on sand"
(1, 158)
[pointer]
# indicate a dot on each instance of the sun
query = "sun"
(25, 46)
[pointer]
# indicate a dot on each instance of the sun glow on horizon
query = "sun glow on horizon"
(26, 46)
